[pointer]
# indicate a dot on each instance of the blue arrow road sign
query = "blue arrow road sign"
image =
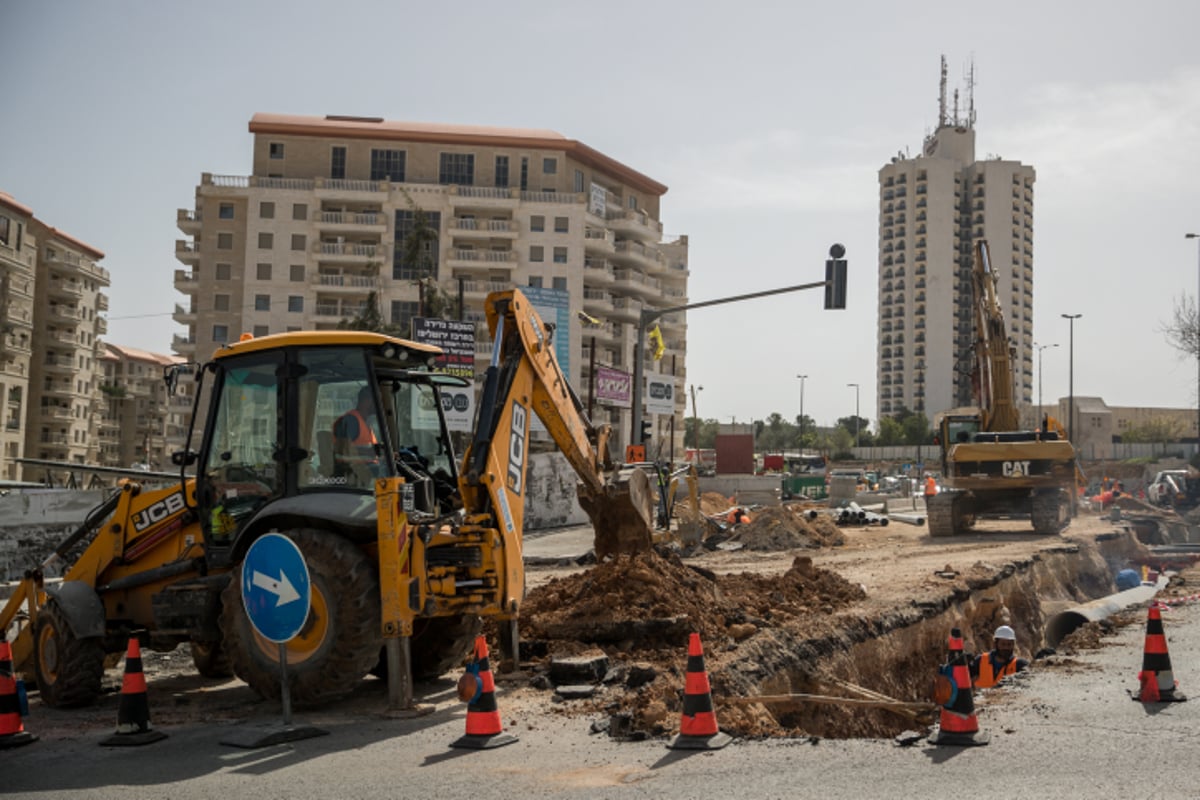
(275, 587)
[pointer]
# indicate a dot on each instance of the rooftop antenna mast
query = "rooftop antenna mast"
(971, 95)
(957, 122)
(942, 95)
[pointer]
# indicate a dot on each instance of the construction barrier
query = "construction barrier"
(12, 729)
(484, 728)
(698, 723)
(133, 714)
(1156, 681)
(958, 725)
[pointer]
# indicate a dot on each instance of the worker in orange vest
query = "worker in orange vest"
(931, 487)
(988, 668)
(355, 442)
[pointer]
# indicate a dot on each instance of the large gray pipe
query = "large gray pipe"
(1061, 625)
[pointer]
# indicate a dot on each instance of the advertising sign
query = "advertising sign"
(457, 340)
(596, 201)
(660, 394)
(613, 387)
(554, 306)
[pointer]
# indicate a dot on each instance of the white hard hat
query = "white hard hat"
(1005, 632)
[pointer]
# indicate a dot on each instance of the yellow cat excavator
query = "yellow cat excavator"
(407, 549)
(990, 467)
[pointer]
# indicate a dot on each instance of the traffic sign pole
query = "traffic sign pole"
(285, 687)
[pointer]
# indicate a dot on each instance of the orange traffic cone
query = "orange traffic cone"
(133, 715)
(12, 731)
(478, 688)
(1157, 682)
(958, 724)
(698, 723)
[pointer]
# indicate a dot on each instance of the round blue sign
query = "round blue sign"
(275, 587)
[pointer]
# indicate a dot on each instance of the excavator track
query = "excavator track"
(1049, 514)
(939, 509)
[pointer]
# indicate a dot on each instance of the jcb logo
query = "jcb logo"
(158, 512)
(1016, 469)
(516, 447)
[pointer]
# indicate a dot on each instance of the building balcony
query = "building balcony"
(631, 280)
(188, 221)
(341, 189)
(480, 197)
(186, 281)
(599, 240)
(486, 260)
(626, 308)
(478, 290)
(59, 365)
(360, 253)
(60, 439)
(73, 262)
(183, 345)
(184, 316)
(597, 301)
(65, 287)
(187, 252)
(101, 302)
(637, 254)
(357, 284)
(352, 222)
(56, 413)
(675, 320)
(598, 272)
(557, 198)
(471, 228)
(333, 310)
(634, 224)
(101, 326)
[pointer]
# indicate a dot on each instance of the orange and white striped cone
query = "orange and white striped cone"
(1157, 681)
(478, 688)
(698, 724)
(958, 724)
(133, 714)
(12, 729)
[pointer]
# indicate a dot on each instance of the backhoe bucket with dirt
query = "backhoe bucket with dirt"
(622, 514)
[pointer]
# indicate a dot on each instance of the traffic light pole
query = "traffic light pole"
(649, 315)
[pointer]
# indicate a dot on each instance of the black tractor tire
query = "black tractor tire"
(68, 668)
(341, 637)
(439, 645)
(210, 659)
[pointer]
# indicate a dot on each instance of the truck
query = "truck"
(990, 466)
(408, 548)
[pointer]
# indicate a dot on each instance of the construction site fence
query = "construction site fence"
(1089, 451)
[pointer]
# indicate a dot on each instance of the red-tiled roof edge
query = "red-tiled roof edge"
(351, 128)
(7, 199)
(143, 355)
(69, 239)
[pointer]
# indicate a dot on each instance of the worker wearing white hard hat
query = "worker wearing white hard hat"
(988, 668)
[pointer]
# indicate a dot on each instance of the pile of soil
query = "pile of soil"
(785, 528)
(714, 503)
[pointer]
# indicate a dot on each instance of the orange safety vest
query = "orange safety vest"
(930, 487)
(988, 677)
(366, 436)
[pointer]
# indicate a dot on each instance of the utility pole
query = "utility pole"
(802, 379)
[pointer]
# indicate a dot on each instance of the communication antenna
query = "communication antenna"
(956, 121)
(942, 95)
(971, 94)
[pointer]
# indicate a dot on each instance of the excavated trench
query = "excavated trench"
(898, 655)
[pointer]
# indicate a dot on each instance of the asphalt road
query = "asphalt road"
(1066, 732)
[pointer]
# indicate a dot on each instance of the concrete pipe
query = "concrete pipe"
(1059, 626)
(908, 519)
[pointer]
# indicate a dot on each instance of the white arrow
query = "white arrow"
(281, 588)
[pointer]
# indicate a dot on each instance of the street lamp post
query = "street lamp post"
(802, 379)
(696, 422)
(1197, 236)
(856, 436)
(1071, 380)
(1040, 348)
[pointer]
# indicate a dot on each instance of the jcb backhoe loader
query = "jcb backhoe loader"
(336, 439)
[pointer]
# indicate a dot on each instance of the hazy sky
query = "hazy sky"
(768, 121)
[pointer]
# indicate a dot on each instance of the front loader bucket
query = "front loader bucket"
(623, 515)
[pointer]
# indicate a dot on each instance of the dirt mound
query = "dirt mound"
(785, 528)
(714, 503)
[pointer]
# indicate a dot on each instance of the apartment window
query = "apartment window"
(560, 224)
(560, 283)
(337, 163)
(262, 302)
(220, 302)
(261, 330)
(456, 168)
(633, 202)
(266, 211)
(524, 173)
(263, 272)
(225, 211)
(537, 223)
(560, 255)
(224, 272)
(266, 241)
(535, 281)
(224, 241)
(300, 211)
(4, 223)
(387, 165)
(537, 253)
(502, 172)
(295, 303)
(403, 312)
(297, 273)
(297, 241)
(549, 166)
(220, 333)
(276, 150)
(427, 261)
(578, 180)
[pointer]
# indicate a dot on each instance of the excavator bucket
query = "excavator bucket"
(622, 514)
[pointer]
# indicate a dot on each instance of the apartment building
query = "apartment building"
(139, 422)
(320, 225)
(53, 310)
(932, 209)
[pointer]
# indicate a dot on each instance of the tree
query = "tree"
(890, 432)
(370, 318)
(859, 428)
(1183, 330)
(1156, 430)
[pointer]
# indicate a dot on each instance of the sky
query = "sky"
(768, 121)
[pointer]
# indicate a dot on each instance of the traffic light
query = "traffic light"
(647, 433)
(835, 279)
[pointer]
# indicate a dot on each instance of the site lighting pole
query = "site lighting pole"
(802, 379)
(1040, 348)
(1197, 236)
(856, 437)
(696, 421)
(1071, 381)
